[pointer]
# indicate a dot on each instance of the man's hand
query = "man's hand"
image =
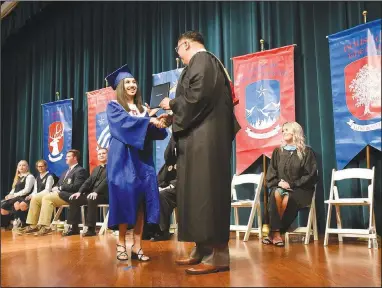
(166, 119)
(74, 196)
(150, 111)
(165, 104)
(29, 197)
(157, 123)
(55, 189)
(92, 196)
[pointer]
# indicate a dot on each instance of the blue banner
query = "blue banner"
(57, 135)
(171, 76)
(355, 64)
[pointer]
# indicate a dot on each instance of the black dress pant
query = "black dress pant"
(290, 213)
(167, 198)
(74, 216)
(8, 205)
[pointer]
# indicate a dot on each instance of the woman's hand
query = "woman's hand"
(283, 184)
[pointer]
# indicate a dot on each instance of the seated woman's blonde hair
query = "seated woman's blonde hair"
(298, 137)
(17, 175)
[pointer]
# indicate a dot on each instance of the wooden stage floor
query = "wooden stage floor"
(57, 261)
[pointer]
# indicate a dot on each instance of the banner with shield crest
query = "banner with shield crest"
(57, 134)
(264, 84)
(98, 127)
(355, 65)
(171, 77)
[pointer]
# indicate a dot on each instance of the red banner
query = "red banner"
(98, 128)
(264, 85)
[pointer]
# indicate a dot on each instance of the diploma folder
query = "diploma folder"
(158, 93)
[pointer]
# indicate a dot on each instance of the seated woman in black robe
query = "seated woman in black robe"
(291, 177)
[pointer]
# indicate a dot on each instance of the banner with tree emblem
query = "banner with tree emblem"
(264, 84)
(355, 65)
(98, 127)
(171, 77)
(57, 135)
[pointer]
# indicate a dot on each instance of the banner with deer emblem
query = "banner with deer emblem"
(57, 134)
(355, 64)
(264, 84)
(172, 77)
(98, 128)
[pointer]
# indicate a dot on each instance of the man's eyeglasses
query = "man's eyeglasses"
(40, 166)
(177, 47)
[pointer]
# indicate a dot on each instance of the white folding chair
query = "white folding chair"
(57, 215)
(311, 227)
(256, 179)
(174, 224)
(105, 219)
(337, 202)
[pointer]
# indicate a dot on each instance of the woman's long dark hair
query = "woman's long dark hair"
(122, 97)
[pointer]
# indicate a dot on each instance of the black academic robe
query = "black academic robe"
(204, 127)
(301, 174)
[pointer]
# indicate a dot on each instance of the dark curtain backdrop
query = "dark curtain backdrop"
(70, 47)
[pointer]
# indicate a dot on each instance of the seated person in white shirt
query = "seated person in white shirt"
(42, 186)
(22, 186)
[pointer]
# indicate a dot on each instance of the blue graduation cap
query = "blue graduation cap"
(114, 78)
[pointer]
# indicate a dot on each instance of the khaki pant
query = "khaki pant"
(42, 206)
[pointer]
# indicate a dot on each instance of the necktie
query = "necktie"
(67, 173)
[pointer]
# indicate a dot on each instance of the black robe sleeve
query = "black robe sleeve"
(272, 178)
(102, 188)
(310, 176)
(85, 188)
(197, 102)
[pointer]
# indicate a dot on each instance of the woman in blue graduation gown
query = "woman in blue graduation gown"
(132, 180)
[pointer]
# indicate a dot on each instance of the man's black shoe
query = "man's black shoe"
(90, 233)
(71, 232)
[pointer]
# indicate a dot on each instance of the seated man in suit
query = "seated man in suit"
(93, 192)
(40, 213)
(167, 193)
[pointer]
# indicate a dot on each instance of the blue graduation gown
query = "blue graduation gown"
(130, 168)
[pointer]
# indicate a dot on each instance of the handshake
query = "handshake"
(164, 120)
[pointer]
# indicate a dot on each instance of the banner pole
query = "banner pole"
(177, 63)
(368, 157)
(265, 228)
(364, 13)
(262, 44)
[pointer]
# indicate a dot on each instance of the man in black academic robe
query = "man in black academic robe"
(204, 126)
